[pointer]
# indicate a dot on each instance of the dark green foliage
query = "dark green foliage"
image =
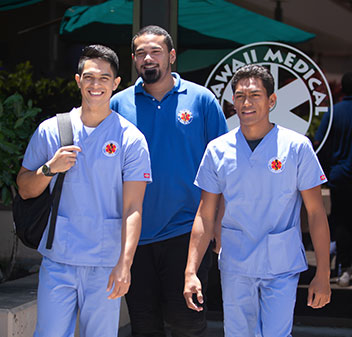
(51, 95)
(17, 123)
(24, 102)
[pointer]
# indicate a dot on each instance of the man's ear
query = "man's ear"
(78, 80)
(172, 56)
(117, 81)
(272, 100)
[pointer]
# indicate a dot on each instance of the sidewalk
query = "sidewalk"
(215, 329)
(18, 298)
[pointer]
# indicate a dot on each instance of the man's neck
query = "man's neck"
(255, 132)
(160, 88)
(91, 116)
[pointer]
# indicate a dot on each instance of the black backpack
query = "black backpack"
(31, 215)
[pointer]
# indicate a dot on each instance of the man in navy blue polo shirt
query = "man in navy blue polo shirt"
(336, 158)
(178, 119)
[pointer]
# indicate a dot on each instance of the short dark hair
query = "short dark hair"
(97, 51)
(346, 83)
(154, 30)
(256, 71)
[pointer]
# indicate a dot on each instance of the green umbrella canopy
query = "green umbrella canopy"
(207, 29)
(223, 20)
(109, 22)
(202, 24)
(6, 5)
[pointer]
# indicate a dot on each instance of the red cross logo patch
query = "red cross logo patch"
(185, 116)
(276, 165)
(110, 148)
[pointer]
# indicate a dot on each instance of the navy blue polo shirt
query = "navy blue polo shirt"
(177, 129)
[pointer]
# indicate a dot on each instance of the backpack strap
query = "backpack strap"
(65, 128)
(66, 138)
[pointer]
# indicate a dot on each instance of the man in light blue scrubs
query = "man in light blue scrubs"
(264, 171)
(99, 216)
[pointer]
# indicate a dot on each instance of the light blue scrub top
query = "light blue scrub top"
(88, 228)
(261, 234)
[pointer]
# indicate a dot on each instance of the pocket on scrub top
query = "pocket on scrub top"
(62, 228)
(285, 252)
(231, 247)
(112, 237)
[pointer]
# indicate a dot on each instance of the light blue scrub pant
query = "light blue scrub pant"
(63, 289)
(255, 307)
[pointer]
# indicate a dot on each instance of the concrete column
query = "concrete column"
(163, 13)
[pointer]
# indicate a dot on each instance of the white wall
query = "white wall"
(332, 24)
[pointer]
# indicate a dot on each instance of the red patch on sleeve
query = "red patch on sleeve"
(322, 177)
(146, 175)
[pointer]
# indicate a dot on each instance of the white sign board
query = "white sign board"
(303, 93)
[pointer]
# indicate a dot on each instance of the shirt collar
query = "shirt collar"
(178, 87)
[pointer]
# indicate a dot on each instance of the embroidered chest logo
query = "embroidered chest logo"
(110, 148)
(185, 116)
(276, 165)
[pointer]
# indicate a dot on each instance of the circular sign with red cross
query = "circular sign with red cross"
(303, 93)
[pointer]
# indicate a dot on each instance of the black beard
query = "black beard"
(150, 76)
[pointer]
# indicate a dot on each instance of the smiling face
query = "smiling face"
(252, 105)
(97, 82)
(152, 58)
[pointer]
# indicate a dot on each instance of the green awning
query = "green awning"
(207, 29)
(223, 20)
(6, 5)
(109, 22)
(202, 24)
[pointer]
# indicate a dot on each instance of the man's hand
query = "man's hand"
(120, 278)
(193, 286)
(319, 292)
(202, 234)
(32, 183)
(64, 158)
